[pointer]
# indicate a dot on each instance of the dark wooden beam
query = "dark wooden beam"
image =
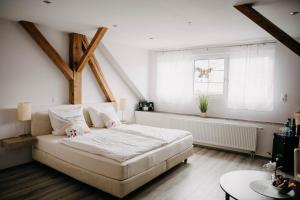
(91, 48)
(75, 85)
(47, 48)
(268, 26)
(75, 51)
(95, 67)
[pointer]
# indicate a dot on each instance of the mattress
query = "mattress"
(105, 166)
(116, 145)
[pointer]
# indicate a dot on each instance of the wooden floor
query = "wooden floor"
(198, 179)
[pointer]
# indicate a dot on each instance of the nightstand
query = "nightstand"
(16, 142)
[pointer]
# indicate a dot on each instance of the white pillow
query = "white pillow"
(110, 121)
(103, 116)
(61, 118)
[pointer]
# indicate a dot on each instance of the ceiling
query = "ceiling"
(171, 23)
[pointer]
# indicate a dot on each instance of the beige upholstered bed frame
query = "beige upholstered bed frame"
(112, 186)
(40, 123)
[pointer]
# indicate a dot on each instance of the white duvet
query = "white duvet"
(163, 134)
(124, 142)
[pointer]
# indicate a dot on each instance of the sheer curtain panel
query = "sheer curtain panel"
(174, 79)
(251, 73)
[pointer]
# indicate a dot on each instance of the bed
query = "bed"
(117, 177)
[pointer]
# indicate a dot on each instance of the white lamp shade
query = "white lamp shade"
(24, 111)
(122, 104)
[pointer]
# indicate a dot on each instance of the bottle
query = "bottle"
(294, 126)
(287, 128)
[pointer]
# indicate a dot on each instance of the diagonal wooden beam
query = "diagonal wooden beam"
(91, 47)
(47, 48)
(97, 72)
(268, 26)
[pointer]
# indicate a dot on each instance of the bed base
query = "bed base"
(115, 187)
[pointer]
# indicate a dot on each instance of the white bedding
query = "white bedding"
(50, 144)
(163, 134)
(113, 144)
(124, 142)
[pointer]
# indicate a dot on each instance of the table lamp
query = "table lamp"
(24, 112)
(122, 107)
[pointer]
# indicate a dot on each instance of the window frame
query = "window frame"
(226, 69)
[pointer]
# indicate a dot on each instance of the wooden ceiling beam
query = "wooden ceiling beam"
(75, 85)
(81, 53)
(95, 67)
(38, 37)
(91, 48)
(75, 51)
(268, 26)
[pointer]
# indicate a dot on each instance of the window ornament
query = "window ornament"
(209, 76)
(204, 73)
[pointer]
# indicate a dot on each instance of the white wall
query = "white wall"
(22, 61)
(286, 80)
(135, 61)
(27, 74)
(92, 94)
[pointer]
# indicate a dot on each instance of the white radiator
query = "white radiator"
(219, 134)
(206, 131)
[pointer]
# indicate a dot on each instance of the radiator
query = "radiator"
(235, 136)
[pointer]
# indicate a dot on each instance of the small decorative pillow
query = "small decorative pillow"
(96, 118)
(74, 130)
(105, 116)
(62, 118)
(109, 122)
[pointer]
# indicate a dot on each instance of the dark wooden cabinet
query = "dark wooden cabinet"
(283, 150)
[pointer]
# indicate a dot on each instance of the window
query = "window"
(209, 76)
(241, 77)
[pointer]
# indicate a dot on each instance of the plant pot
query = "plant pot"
(203, 114)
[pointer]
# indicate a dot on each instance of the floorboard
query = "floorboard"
(198, 179)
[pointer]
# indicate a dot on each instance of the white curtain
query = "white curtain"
(251, 73)
(174, 81)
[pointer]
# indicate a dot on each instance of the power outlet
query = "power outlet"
(53, 100)
(283, 97)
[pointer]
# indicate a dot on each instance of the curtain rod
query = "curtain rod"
(221, 46)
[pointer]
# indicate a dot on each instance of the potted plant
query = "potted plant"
(203, 104)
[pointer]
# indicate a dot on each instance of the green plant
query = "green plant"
(203, 103)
